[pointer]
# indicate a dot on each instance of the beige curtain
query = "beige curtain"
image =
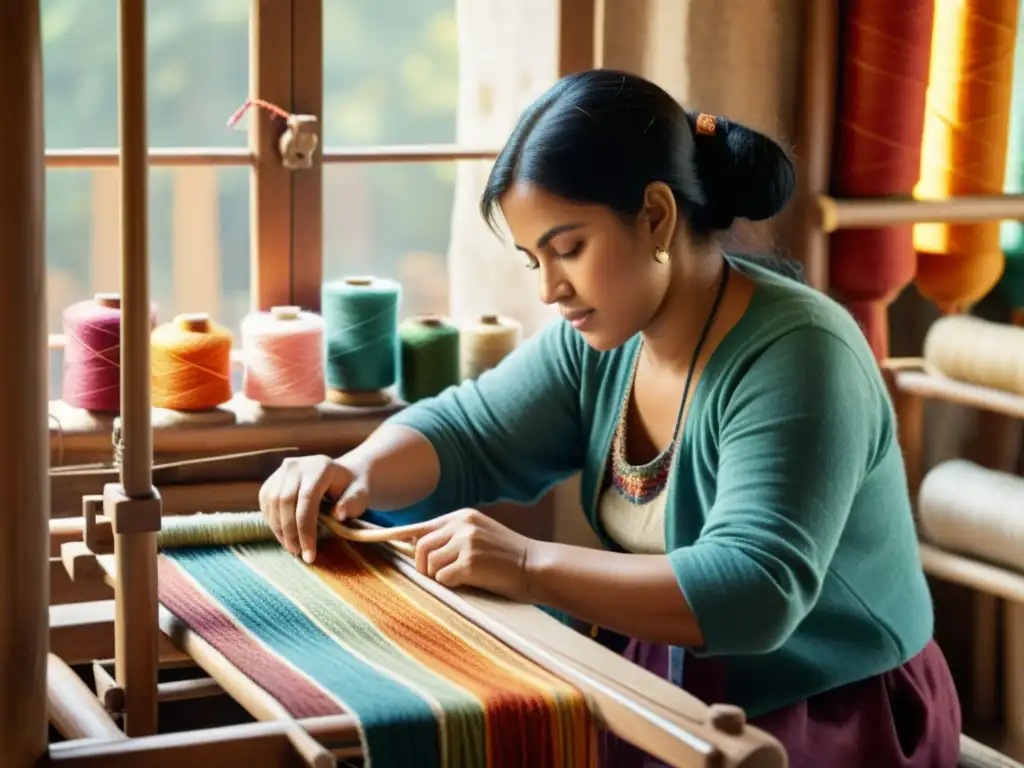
(738, 58)
(507, 58)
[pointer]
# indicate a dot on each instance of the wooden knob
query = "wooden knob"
(431, 321)
(358, 280)
(727, 718)
(488, 319)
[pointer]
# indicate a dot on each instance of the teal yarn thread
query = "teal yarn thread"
(361, 334)
(1011, 284)
(430, 357)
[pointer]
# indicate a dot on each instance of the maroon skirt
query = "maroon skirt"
(906, 718)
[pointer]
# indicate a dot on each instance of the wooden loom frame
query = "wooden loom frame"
(74, 706)
(37, 688)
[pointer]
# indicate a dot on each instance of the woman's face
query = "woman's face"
(600, 271)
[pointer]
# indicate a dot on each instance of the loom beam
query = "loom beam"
(255, 745)
(238, 471)
(74, 711)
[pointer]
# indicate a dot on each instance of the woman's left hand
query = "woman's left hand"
(469, 549)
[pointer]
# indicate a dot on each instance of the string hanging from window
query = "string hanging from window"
(299, 141)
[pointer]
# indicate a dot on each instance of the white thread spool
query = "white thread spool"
(977, 351)
(485, 343)
(975, 511)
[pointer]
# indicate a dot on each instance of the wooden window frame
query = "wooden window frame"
(286, 207)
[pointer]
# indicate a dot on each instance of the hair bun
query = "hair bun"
(744, 173)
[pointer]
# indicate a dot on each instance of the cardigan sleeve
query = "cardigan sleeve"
(512, 433)
(797, 437)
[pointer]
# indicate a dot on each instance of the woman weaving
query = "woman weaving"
(734, 434)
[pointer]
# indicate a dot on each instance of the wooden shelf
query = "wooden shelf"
(81, 437)
(857, 213)
(968, 572)
(935, 387)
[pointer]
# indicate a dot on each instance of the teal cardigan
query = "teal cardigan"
(788, 524)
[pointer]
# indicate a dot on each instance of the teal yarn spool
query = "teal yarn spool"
(361, 338)
(430, 357)
(1011, 233)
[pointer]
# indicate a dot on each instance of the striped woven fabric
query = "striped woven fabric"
(351, 634)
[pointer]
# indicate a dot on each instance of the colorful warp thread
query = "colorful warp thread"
(350, 633)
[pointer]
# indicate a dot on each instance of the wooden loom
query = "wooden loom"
(119, 547)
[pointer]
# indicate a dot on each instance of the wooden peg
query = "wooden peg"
(97, 531)
(727, 718)
(110, 694)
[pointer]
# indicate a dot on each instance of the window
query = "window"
(229, 229)
(390, 79)
(199, 213)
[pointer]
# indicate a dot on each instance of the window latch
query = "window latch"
(299, 142)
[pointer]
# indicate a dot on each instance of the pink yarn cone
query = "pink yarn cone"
(92, 348)
(284, 358)
(92, 353)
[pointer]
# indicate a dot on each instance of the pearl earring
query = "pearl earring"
(661, 255)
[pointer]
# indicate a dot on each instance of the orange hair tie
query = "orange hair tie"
(706, 124)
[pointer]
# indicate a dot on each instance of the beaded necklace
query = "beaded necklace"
(641, 483)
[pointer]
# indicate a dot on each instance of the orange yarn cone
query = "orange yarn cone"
(963, 151)
(191, 364)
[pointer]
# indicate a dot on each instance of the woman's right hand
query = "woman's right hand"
(290, 499)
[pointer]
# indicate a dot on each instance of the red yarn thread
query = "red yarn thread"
(883, 82)
(272, 108)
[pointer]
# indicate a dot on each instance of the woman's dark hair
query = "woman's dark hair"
(602, 136)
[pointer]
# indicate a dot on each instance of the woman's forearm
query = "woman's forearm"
(400, 465)
(634, 595)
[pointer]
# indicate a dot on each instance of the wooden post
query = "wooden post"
(270, 208)
(133, 504)
(24, 570)
(307, 68)
(821, 44)
(579, 23)
(909, 409)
